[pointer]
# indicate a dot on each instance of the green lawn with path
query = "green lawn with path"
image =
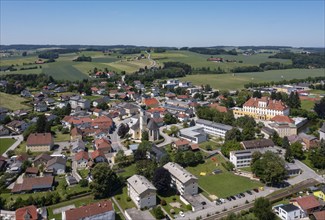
(5, 143)
(223, 184)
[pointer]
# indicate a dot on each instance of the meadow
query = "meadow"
(12, 102)
(5, 143)
(237, 81)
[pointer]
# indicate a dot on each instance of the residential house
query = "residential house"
(195, 134)
(181, 145)
(97, 112)
(39, 142)
(77, 101)
(34, 184)
(151, 102)
(56, 165)
(75, 134)
(218, 107)
(284, 128)
(20, 113)
(17, 126)
(214, 128)
(141, 191)
(98, 156)
(4, 131)
(262, 108)
(104, 99)
(40, 107)
(310, 141)
(28, 213)
(308, 204)
(77, 145)
(25, 93)
(41, 159)
(95, 211)
(130, 109)
(182, 180)
(267, 132)
(292, 169)
(320, 215)
(156, 153)
(183, 117)
(288, 212)
(31, 172)
(103, 145)
(81, 158)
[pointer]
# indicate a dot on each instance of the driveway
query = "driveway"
(59, 146)
(307, 173)
(19, 139)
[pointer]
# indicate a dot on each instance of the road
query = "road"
(153, 62)
(19, 139)
(307, 173)
(115, 139)
(167, 138)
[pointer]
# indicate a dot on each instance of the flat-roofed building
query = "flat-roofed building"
(213, 128)
(141, 191)
(195, 134)
(242, 158)
(182, 180)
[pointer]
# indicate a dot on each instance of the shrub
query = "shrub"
(163, 202)
(174, 199)
(83, 183)
(118, 198)
(189, 207)
(158, 213)
(128, 199)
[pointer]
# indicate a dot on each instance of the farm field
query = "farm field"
(5, 143)
(200, 60)
(13, 102)
(228, 81)
(223, 184)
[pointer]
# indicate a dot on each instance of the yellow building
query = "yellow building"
(320, 194)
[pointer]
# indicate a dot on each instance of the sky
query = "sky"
(164, 23)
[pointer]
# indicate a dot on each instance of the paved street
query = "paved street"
(307, 173)
(19, 139)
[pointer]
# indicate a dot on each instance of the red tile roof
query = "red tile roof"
(182, 116)
(97, 153)
(39, 139)
(102, 122)
(182, 97)
(89, 210)
(282, 118)
(219, 107)
(158, 109)
(32, 170)
(102, 144)
(151, 102)
(319, 215)
(270, 104)
(30, 211)
(181, 142)
(75, 131)
(81, 155)
(307, 202)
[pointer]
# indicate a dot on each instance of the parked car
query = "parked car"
(233, 197)
(229, 198)
(181, 214)
(238, 196)
(203, 203)
(249, 192)
(242, 194)
(255, 190)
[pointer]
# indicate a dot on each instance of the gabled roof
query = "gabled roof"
(27, 212)
(307, 202)
(152, 125)
(319, 215)
(270, 104)
(179, 172)
(151, 102)
(81, 155)
(219, 107)
(258, 143)
(43, 156)
(181, 142)
(322, 129)
(282, 118)
(34, 183)
(39, 139)
(32, 170)
(55, 160)
(97, 153)
(87, 211)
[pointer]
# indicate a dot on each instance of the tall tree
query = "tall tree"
(233, 134)
(263, 209)
(297, 151)
(319, 108)
(104, 180)
(161, 180)
(286, 145)
(41, 123)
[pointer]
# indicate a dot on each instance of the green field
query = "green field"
(229, 81)
(307, 104)
(5, 143)
(12, 102)
(223, 184)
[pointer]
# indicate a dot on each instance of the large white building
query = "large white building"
(213, 128)
(241, 158)
(289, 212)
(262, 108)
(195, 134)
(141, 191)
(182, 180)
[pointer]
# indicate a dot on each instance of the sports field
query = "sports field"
(12, 102)
(237, 81)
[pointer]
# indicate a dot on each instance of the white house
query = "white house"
(81, 159)
(182, 180)
(288, 212)
(141, 191)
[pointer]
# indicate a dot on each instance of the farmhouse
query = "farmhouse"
(39, 142)
(34, 184)
(81, 158)
(182, 180)
(141, 191)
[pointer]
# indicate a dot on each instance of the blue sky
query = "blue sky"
(164, 23)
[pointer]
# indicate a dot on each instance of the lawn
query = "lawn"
(128, 171)
(83, 173)
(229, 81)
(12, 102)
(171, 197)
(5, 143)
(307, 104)
(121, 197)
(223, 184)
(205, 145)
(59, 137)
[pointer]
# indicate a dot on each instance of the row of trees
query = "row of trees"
(315, 60)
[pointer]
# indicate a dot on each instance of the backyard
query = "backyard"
(5, 143)
(223, 184)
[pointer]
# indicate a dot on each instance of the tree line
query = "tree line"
(315, 60)
(211, 51)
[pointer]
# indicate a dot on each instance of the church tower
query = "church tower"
(143, 120)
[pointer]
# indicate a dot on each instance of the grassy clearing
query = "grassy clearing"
(64, 70)
(121, 197)
(228, 81)
(207, 144)
(83, 173)
(5, 143)
(307, 104)
(317, 92)
(128, 171)
(223, 184)
(129, 66)
(169, 198)
(12, 102)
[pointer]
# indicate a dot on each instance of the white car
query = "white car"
(181, 214)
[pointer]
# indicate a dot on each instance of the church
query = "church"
(141, 123)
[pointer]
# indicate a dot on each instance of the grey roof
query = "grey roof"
(306, 136)
(192, 131)
(289, 208)
(179, 172)
(136, 125)
(152, 125)
(214, 124)
(322, 129)
(268, 130)
(140, 184)
(78, 144)
(43, 156)
(258, 143)
(158, 152)
(58, 160)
